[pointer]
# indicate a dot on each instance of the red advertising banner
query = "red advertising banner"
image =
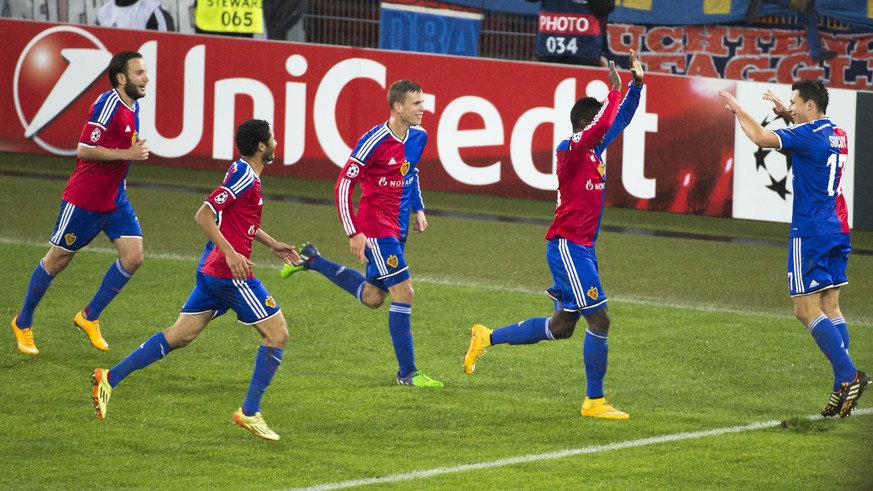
(492, 125)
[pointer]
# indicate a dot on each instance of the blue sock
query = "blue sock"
(152, 350)
(831, 344)
(595, 354)
(40, 281)
(528, 331)
(400, 327)
(347, 279)
(266, 364)
(113, 281)
(840, 324)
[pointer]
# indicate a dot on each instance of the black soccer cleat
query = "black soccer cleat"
(852, 391)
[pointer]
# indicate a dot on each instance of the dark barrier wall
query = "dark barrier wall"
(863, 162)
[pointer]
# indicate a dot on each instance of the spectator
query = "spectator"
(285, 19)
(135, 14)
(240, 19)
(573, 31)
(808, 15)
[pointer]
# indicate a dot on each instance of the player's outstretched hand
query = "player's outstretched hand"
(636, 68)
(778, 107)
(138, 151)
(614, 79)
(285, 252)
(733, 105)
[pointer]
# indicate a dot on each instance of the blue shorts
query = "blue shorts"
(386, 266)
(249, 298)
(817, 263)
(76, 227)
(577, 283)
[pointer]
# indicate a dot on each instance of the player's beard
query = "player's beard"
(132, 90)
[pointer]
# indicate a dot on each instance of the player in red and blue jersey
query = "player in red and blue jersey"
(230, 218)
(819, 246)
(570, 252)
(384, 163)
(95, 201)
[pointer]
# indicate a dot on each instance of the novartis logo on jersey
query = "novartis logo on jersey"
(384, 181)
(591, 186)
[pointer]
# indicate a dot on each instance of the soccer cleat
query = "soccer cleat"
(255, 424)
(24, 338)
(835, 403)
(418, 379)
(480, 339)
(289, 269)
(598, 408)
(102, 391)
(852, 391)
(92, 329)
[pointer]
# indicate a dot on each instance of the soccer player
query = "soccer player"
(231, 219)
(383, 161)
(95, 200)
(570, 249)
(818, 249)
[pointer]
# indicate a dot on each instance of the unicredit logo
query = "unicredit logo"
(55, 68)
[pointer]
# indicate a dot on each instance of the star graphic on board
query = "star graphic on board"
(760, 155)
(779, 186)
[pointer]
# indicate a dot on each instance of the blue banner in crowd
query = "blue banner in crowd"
(858, 13)
(407, 27)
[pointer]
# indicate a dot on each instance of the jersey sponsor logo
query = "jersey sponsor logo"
(270, 302)
(70, 238)
(392, 183)
(220, 197)
(74, 59)
(591, 186)
(404, 168)
(593, 293)
(353, 171)
(252, 230)
(391, 261)
(95, 135)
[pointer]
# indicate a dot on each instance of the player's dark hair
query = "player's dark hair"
(815, 90)
(118, 64)
(584, 111)
(249, 134)
(398, 90)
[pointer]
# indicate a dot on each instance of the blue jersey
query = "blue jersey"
(819, 151)
(410, 200)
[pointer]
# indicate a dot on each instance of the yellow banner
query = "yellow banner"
(717, 6)
(639, 4)
(238, 16)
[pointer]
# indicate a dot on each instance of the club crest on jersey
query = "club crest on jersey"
(133, 137)
(220, 197)
(593, 293)
(70, 239)
(391, 261)
(601, 169)
(353, 171)
(95, 135)
(270, 302)
(404, 168)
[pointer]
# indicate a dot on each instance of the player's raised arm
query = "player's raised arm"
(759, 135)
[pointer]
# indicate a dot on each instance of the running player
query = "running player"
(231, 219)
(818, 249)
(95, 201)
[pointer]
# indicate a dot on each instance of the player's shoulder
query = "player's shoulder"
(565, 144)
(417, 130)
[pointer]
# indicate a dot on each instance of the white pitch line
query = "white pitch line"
(409, 476)
(436, 280)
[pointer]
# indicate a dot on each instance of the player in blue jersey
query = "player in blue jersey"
(230, 217)
(384, 162)
(95, 201)
(570, 249)
(818, 250)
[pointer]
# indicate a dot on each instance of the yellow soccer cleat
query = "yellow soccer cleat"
(92, 329)
(24, 338)
(480, 339)
(102, 391)
(255, 424)
(598, 408)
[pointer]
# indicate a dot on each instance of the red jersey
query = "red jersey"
(379, 163)
(237, 205)
(100, 186)
(582, 179)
